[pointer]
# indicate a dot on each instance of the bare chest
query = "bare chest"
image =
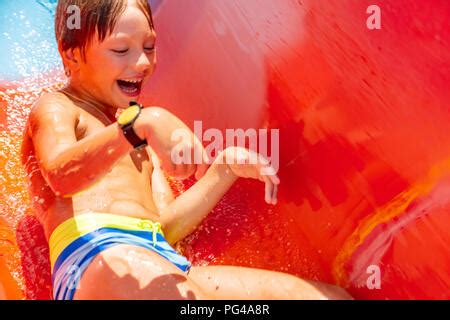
(128, 182)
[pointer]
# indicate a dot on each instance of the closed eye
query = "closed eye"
(149, 49)
(120, 51)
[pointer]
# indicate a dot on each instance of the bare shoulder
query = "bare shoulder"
(52, 106)
(53, 102)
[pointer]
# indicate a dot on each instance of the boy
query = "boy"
(106, 208)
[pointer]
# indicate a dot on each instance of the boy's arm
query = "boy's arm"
(161, 190)
(68, 165)
(186, 212)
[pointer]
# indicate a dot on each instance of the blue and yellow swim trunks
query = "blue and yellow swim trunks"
(77, 241)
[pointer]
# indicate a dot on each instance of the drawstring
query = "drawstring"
(155, 232)
(154, 227)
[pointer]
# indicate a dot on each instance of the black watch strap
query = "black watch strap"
(133, 138)
(130, 134)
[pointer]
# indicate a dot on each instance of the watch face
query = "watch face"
(128, 115)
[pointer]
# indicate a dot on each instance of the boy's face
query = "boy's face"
(115, 69)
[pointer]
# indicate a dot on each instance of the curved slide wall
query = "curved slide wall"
(364, 143)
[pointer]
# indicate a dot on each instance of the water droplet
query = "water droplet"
(156, 114)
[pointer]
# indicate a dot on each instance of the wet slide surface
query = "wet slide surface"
(364, 141)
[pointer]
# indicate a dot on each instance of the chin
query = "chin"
(126, 102)
(123, 101)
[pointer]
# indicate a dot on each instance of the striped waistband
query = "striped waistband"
(79, 226)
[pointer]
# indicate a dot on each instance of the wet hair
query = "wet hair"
(97, 17)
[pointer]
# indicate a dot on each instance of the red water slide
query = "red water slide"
(364, 141)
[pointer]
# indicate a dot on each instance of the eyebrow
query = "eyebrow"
(125, 37)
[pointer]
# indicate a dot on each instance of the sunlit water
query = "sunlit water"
(29, 66)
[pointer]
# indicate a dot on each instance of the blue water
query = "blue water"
(27, 42)
(27, 39)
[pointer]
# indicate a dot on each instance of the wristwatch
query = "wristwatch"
(126, 121)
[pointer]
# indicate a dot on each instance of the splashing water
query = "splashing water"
(27, 40)
(14, 200)
(49, 5)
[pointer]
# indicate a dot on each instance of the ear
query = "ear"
(71, 58)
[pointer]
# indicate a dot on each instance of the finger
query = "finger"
(273, 190)
(267, 170)
(263, 161)
(270, 172)
(268, 191)
(262, 172)
(275, 179)
(274, 195)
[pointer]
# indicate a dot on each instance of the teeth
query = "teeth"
(132, 81)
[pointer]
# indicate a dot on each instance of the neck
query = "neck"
(91, 104)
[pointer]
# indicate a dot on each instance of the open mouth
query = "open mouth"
(131, 88)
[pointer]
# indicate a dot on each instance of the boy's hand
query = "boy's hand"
(158, 125)
(245, 163)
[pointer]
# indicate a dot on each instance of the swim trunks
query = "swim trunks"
(77, 241)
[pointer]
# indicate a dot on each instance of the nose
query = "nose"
(143, 64)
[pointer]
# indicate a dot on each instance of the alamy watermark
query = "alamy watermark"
(373, 22)
(257, 141)
(374, 280)
(74, 19)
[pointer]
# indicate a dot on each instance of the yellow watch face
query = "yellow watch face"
(128, 115)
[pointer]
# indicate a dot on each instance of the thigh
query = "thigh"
(130, 272)
(239, 283)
